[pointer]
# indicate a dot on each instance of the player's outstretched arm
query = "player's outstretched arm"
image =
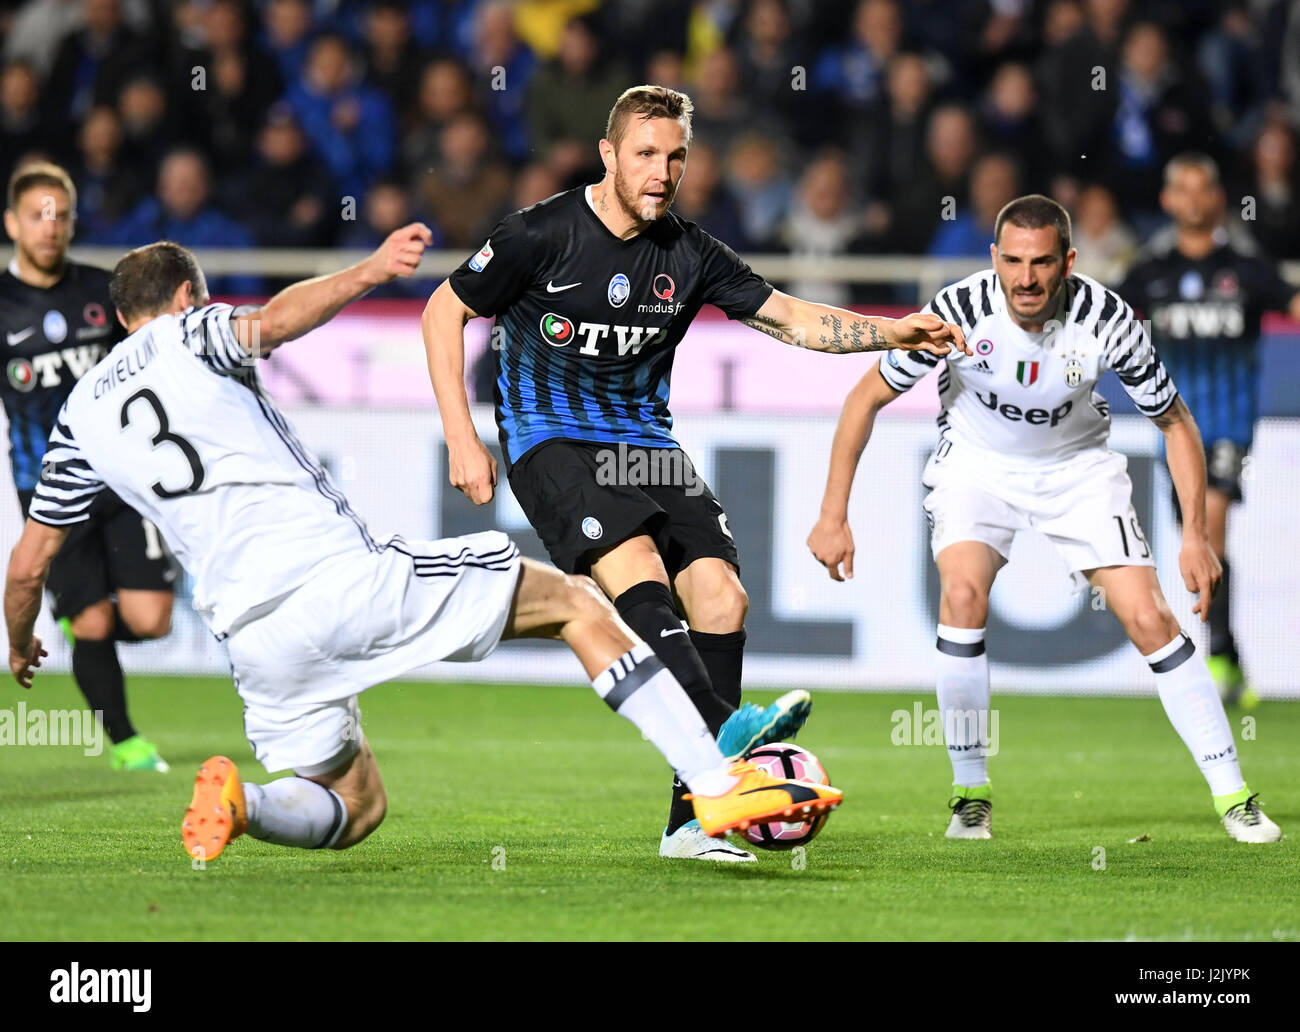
(471, 467)
(831, 540)
(300, 308)
(1201, 568)
(806, 324)
(29, 564)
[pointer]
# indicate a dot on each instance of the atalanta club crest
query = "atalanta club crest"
(1073, 373)
(557, 331)
(592, 528)
(619, 290)
(55, 326)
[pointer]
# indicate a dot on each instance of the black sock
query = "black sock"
(1221, 640)
(648, 609)
(99, 676)
(723, 656)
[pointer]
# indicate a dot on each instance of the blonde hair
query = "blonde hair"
(40, 173)
(648, 102)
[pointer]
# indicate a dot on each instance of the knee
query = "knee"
(1152, 627)
(731, 603)
(94, 623)
(967, 604)
(717, 603)
(584, 598)
(150, 624)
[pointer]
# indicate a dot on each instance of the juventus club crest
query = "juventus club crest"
(1073, 373)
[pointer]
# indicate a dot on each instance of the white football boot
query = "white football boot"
(972, 818)
(1246, 822)
(690, 843)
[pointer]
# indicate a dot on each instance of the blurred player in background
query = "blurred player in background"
(592, 290)
(312, 609)
(1203, 292)
(1022, 445)
(113, 580)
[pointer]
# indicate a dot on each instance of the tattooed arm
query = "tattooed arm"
(1185, 453)
(839, 331)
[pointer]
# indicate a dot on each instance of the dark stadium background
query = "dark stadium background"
(855, 152)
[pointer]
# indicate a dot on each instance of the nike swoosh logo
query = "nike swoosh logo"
(17, 338)
(797, 793)
(551, 288)
(680, 630)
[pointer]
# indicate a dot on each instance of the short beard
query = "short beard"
(1050, 303)
(625, 198)
(56, 266)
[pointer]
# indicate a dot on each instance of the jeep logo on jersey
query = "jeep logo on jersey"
(557, 331)
(1033, 416)
(619, 290)
(1073, 373)
(664, 288)
(21, 375)
(1027, 373)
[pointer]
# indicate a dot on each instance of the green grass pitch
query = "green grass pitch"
(569, 801)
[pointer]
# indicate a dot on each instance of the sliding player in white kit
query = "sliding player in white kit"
(312, 608)
(1022, 445)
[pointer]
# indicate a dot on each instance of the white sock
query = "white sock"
(639, 687)
(295, 812)
(962, 687)
(1192, 702)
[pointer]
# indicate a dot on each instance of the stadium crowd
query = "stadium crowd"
(822, 128)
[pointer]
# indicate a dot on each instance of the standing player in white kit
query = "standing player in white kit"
(1022, 445)
(312, 608)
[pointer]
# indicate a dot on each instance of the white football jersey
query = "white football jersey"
(176, 422)
(1028, 399)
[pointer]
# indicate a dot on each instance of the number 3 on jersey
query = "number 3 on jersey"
(164, 435)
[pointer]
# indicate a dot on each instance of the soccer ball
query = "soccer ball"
(792, 763)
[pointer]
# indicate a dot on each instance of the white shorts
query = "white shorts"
(363, 620)
(1084, 508)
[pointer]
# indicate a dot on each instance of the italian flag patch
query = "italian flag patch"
(1027, 373)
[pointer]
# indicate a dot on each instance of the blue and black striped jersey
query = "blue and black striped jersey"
(53, 335)
(587, 324)
(1204, 317)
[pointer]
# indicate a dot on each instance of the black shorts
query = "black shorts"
(115, 548)
(1224, 461)
(583, 499)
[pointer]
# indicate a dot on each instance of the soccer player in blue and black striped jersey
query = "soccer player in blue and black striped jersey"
(113, 580)
(592, 290)
(1203, 291)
